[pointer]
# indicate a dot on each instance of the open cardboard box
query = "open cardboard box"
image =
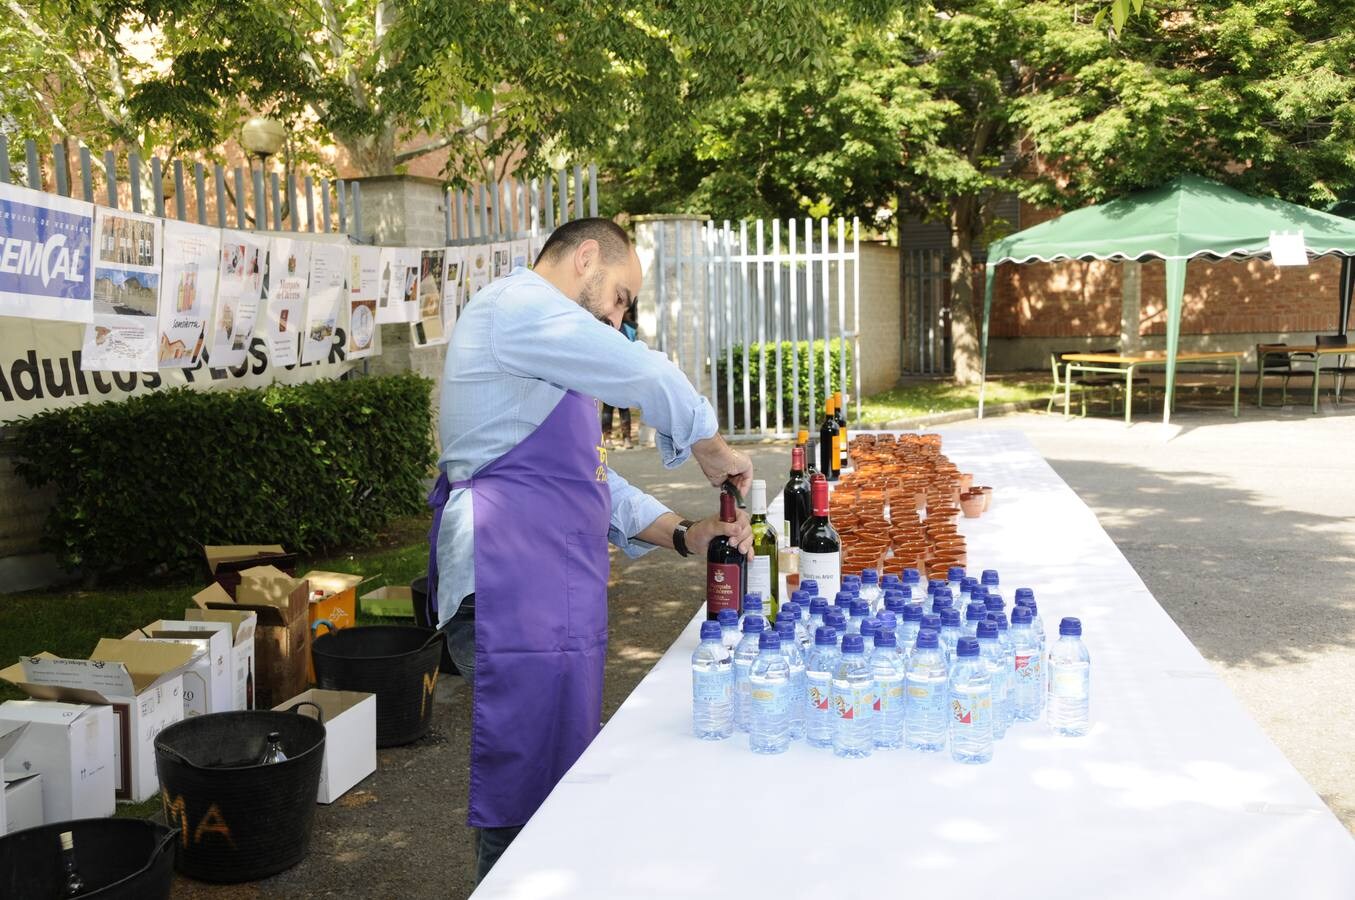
(282, 640)
(207, 684)
(390, 602)
(143, 683)
(225, 562)
(20, 802)
(243, 623)
(350, 738)
(70, 745)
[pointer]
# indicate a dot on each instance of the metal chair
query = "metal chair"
(1340, 370)
(1057, 368)
(1273, 359)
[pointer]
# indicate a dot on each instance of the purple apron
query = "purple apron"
(541, 516)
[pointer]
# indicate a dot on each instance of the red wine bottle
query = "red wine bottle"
(820, 548)
(795, 497)
(828, 449)
(726, 567)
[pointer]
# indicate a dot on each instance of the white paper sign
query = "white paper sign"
(478, 267)
(518, 254)
(399, 284)
(328, 269)
(1288, 249)
(244, 262)
(501, 256)
(289, 262)
(46, 250)
(364, 280)
(426, 327)
(452, 282)
(187, 291)
(126, 293)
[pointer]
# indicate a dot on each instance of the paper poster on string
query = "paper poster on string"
(452, 282)
(501, 258)
(187, 291)
(426, 329)
(477, 269)
(399, 284)
(518, 252)
(1288, 249)
(325, 300)
(239, 289)
(289, 263)
(46, 255)
(364, 278)
(126, 278)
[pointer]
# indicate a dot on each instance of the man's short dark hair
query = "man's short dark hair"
(611, 238)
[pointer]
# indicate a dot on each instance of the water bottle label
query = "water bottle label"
(771, 701)
(760, 577)
(1028, 666)
(926, 699)
(889, 696)
(711, 687)
(855, 703)
(824, 568)
(973, 710)
(820, 689)
(1068, 685)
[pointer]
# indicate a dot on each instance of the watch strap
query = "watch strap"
(680, 537)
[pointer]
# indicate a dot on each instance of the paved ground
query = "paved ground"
(1242, 530)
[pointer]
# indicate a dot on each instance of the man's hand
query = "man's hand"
(740, 533)
(720, 462)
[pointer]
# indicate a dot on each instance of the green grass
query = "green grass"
(921, 398)
(70, 622)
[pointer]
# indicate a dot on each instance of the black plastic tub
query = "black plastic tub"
(241, 821)
(120, 859)
(398, 663)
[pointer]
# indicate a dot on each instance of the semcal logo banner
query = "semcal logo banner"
(46, 245)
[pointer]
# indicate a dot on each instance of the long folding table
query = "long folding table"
(1124, 364)
(1175, 793)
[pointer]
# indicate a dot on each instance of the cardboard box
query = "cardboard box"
(334, 597)
(242, 623)
(226, 562)
(282, 639)
(70, 745)
(396, 602)
(143, 683)
(21, 803)
(207, 679)
(350, 738)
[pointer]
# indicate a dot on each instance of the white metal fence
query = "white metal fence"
(733, 302)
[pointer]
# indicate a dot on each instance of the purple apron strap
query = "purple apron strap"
(437, 500)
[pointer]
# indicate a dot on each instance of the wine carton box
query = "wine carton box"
(243, 623)
(350, 738)
(226, 562)
(20, 802)
(70, 745)
(142, 682)
(207, 686)
(282, 638)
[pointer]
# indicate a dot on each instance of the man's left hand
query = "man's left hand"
(739, 532)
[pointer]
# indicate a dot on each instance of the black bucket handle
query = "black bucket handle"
(319, 713)
(438, 633)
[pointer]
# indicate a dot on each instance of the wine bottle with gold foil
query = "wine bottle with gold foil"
(828, 443)
(762, 568)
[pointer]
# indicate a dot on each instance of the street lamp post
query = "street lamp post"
(262, 137)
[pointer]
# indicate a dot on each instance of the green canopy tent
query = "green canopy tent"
(1189, 217)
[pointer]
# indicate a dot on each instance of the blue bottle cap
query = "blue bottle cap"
(753, 624)
(869, 627)
(752, 602)
(785, 626)
(975, 612)
(978, 592)
(1032, 606)
(993, 602)
(887, 620)
(809, 585)
(710, 631)
(890, 581)
(1021, 616)
(885, 638)
(990, 577)
(1000, 619)
(941, 604)
(968, 583)
(912, 612)
(852, 580)
(912, 576)
(955, 573)
(965, 646)
(950, 617)
(895, 604)
(837, 618)
(825, 636)
(1071, 627)
(801, 597)
(843, 598)
(926, 639)
(932, 621)
(818, 606)
(853, 643)
(860, 608)
(988, 630)
(1024, 594)
(727, 617)
(769, 640)
(870, 576)
(935, 583)
(788, 611)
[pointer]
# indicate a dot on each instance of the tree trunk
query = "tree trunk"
(371, 154)
(965, 316)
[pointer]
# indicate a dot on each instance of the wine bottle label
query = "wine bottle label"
(760, 578)
(722, 587)
(824, 568)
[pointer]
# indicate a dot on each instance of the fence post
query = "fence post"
(728, 323)
(179, 212)
(134, 178)
(708, 307)
(592, 189)
(343, 205)
(562, 184)
(310, 204)
(158, 186)
(219, 180)
(200, 191)
(111, 178)
(842, 308)
(86, 175)
(811, 404)
(578, 191)
(324, 204)
(826, 247)
(59, 168)
(776, 295)
(4, 159)
(357, 210)
(794, 272)
(34, 164)
(856, 312)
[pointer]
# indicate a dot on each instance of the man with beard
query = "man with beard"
(525, 505)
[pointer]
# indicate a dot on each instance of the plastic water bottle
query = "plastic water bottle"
(801, 631)
(817, 607)
(887, 622)
(912, 579)
(769, 697)
(802, 600)
(744, 654)
(819, 668)
(993, 601)
(712, 686)
(974, 613)
(843, 600)
(1070, 674)
(891, 582)
(837, 620)
(795, 660)
(989, 579)
(933, 586)
(809, 586)
(1000, 672)
(728, 620)
(860, 609)
(910, 623)
(951, 632)
(1026, 597)
(752, 606)
(853, 701)
(1028, 669)
(932, 621)
(971, 705)
(868, 628)
(852, 584)
(967, 585)
(871, 591)
(955, 575)
(893, 602)
(925, 709)
(888, 667)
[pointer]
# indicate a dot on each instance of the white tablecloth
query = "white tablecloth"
(1176, 793)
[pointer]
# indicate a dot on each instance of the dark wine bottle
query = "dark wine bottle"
(726, 567)
(811, 457)
(795, 500)
(75, 882)
(828, 449)
(820, 548)
(844, 455)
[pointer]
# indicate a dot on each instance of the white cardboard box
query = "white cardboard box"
(70, 745)
(207, 679)
(242, 625)
(350, 738)
(20, 803)
(143, 683)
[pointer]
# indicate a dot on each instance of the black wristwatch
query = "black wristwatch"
(680, 537)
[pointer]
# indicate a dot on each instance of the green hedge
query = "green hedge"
(143, 482)
(836, 349)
